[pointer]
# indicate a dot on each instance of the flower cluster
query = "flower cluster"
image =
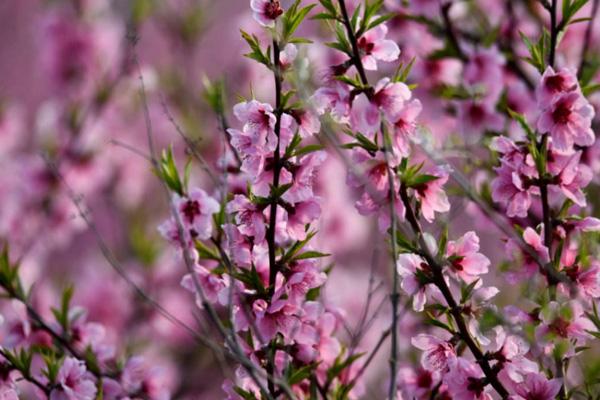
(253, 253)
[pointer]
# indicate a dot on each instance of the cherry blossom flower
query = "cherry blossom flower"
(564, 321)
(437, 353)
(196, 210)
(416, 384)
(298, 216)
(288, 55)
(413, 271)
(373, 47)
(568, 120)
(214, 287)
(141, 377)
(511, 187)
(465, 380)
(432, 196)
(308, 123)
(265, 12)
(510, 351)
(73, 382)
(404, 125)
(249, 217)
(534, 239)
(333, 98)
(280, 316)
(537, 386)
(465, 259)
(572, 175)
(553, 84)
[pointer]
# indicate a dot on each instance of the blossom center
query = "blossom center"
(365, 46)
(190, 210)
(273, 9)
(561, 114)
(560, 327)
(555, 83)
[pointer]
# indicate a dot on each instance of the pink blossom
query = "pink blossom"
(304, 276)
(465, 380)
(510, 352)
(534, 239)
(564, 321)
(416, 384)
(323, 346)
(308, 123)
(258, 136)
(196, 211)
(214, 287)
(140, 377)
(572, 175)
(511, 187)
(568, 120)
(238, 245)
(437, 353)
(432, 196)
(73, 382)
(553, 84)
(265, 12)
(537, 386)
(279, 316)
(388, 98)
(413, 270)
(373, 47)
(304, 176)
(299, 215)
(587, 280)
(334, 98)
(465, 259)
(249, 217)
(404, 126)
(288, 55)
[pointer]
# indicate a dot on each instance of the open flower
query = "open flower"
(73, 382)
(465, 259)
(373, 47)
(465, 381)
(437, 352)
(537, 386)
(413, 271)
(265, 12)
(196, 211)
(553, 84)
(432, 196)
(568, 120)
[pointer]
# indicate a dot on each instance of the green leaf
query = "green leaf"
(256, 52)
(310, 254)
(302, 373)
(292, 18)
(467, 291)
(311, 148)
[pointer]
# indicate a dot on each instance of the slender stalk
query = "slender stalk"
(276, 169)
(353, 42)
(395, 295)
(273, 269)
(491, 375)
(553, 33)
